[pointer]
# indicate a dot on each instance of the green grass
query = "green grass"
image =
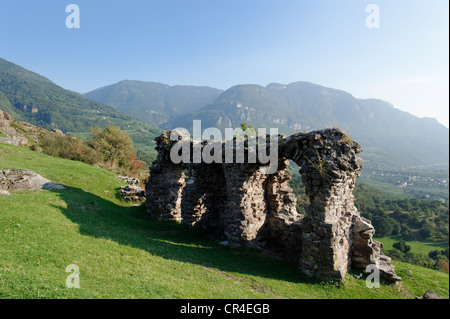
(385, 187)
(417, 247)
(122, 253)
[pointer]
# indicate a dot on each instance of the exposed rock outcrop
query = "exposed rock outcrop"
(23, 179)
(21, 133)
(238, 202)
(9, 133)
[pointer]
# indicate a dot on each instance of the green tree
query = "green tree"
(406, 231)
(383, 225)
(115, 145)
(402, 246)
(427, 231)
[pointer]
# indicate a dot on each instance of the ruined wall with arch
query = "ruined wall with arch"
(238, 202)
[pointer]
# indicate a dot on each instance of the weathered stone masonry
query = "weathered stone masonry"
(238, 202)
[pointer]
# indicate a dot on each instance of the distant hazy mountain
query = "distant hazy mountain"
(390, 137)
(32, 98)
(154, 102)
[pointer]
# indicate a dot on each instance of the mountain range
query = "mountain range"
(391, 138)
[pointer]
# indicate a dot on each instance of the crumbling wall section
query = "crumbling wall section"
(165, 184)
(204, 197)
(329, 167)
(248, 207)
(246, 210)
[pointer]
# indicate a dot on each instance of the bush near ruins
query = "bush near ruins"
(70, 148)
(110, 148)
(114, 144)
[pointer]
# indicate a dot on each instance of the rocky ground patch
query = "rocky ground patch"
(23, 179)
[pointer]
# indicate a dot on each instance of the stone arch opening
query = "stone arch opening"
(285, 223)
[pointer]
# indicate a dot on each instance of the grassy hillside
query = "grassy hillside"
(420, 247)
(123, 254)
(32, 98)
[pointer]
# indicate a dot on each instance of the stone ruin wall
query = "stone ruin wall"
(248, 208)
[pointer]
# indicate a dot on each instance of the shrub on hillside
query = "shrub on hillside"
(402, 246)
(115, 145)
(442, 264)
(70, 148)
(135, 166)
(111, 149)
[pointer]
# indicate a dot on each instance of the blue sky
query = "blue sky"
(221, 43)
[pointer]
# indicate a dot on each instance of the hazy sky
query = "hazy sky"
(221, 43)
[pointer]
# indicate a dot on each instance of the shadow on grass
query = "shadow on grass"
(131, 226)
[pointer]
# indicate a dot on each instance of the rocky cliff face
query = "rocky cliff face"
(238, 202)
